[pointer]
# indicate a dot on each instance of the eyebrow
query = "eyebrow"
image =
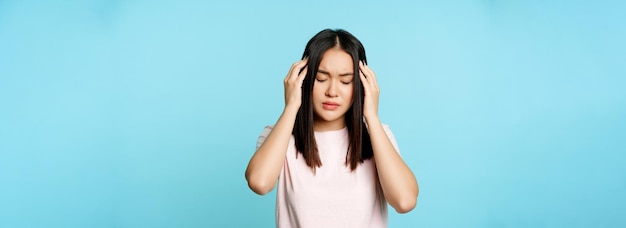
(327, 73)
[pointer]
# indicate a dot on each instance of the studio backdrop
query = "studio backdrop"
(146, 113)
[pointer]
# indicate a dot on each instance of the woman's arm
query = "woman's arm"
(396, 179)
(265, 165)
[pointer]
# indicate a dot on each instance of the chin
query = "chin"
(329, 117)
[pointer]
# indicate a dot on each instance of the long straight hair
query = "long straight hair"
(360, 147)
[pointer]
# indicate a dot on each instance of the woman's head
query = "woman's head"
(332, 95)
(332, 91)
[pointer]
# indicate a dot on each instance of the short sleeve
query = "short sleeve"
(391, 137)
(263, 136)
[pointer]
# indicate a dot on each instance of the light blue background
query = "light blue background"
(145, 113)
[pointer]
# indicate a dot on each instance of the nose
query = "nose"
(331, 90)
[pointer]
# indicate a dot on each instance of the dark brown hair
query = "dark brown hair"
(360, 147)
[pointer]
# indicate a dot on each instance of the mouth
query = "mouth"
(330, 105)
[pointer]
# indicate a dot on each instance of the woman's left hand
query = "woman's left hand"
(368, 79)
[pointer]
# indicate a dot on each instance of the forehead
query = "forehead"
(336, 60)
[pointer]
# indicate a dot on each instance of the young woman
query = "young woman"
(335, 163)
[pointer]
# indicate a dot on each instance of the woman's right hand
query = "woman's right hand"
(293, 84)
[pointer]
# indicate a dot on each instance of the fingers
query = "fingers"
(366, 86)
(302, 75)
(370, 77)
(294, 72)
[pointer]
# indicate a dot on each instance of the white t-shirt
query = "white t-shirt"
(334, 196)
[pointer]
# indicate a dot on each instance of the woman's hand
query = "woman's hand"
(293, 84)
(368, 79)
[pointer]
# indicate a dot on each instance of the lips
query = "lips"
(330, 106)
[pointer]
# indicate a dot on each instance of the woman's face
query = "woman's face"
(332, 91)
